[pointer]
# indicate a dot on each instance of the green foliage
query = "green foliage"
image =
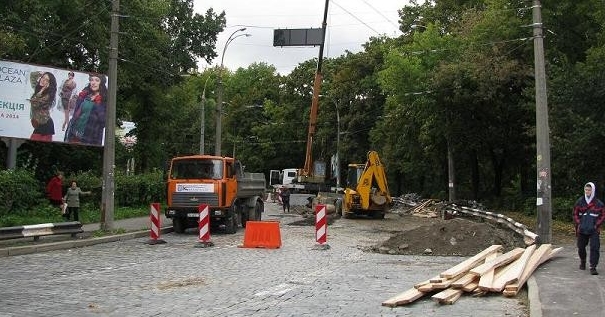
(21, 191)
(140, 189)
(25, 203)
(562, 208)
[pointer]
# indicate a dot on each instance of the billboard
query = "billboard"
(48, 104)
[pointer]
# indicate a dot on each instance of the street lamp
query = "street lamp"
(337, 141)
(219, 91)
(337, 147)
(203, 117)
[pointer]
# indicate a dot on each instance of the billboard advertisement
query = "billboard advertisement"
(48, 104)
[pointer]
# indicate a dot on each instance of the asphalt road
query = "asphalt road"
(134, 278)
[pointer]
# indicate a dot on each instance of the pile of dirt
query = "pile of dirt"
(454, 237)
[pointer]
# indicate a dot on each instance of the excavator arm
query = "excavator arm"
(372, 185)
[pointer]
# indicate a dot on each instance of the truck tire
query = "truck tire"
(231, 224)
(258, 211)
(178, 225)
(231, 219)
(378, 214)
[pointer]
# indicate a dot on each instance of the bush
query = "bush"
(561, 208)
(139, 190)
(24, 201)
(21, 191)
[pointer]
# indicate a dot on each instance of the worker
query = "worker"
(285, 198)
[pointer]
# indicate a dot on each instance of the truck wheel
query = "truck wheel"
(178, 225)
(258, 208)
(378, 215)
(231, 224)
(244, 219)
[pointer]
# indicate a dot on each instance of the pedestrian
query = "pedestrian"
(588, 215)
(72, 199)
(285, 198)
(54, 189)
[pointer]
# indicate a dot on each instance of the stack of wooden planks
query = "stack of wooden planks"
(488, 271)
(426, 209)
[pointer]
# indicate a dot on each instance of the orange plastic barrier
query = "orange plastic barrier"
(262, 234)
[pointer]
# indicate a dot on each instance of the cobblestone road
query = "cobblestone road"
(132, 278)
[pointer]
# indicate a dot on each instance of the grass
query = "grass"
(562, 231)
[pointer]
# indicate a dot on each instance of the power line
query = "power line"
(381, 14)
(355, 17)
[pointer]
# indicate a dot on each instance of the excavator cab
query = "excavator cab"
(354, 172)
(367, 191)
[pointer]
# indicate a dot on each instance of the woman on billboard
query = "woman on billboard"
(88, 121)
(42, 101)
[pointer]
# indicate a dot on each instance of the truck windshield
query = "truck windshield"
(198, 169)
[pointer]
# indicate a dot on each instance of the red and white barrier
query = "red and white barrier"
(321, 224)
(155, 231)
(204, 226)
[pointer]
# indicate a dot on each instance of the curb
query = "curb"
(535, 305)
(70, 244)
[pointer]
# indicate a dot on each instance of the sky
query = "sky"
(350, 24)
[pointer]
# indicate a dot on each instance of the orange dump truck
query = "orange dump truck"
(233, 196)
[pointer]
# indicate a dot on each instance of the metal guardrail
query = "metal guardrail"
(44, 229)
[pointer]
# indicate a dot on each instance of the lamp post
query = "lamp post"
(337, 144)
(337, 147)
(219, 92)
(203, 118)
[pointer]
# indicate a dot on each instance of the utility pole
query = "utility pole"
(107, 204)
(543, 201)
(203, 118)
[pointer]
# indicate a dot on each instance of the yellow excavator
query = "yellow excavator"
(367, 191)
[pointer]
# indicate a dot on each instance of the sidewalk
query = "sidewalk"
(564, 290)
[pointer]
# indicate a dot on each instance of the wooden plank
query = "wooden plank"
(426, 282)
(448, 296)
(421, 206)
(470, 262)
(425, 288)
(406, 297)
(472, 286)
(464, 280)
(434, 284)
(485, 281)
(499, 261)
(513, 271)
(538, 257)
(452, 299)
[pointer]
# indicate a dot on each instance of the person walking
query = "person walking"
(285, 199)
(54, 189)
(72, 199)
(588, 215)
